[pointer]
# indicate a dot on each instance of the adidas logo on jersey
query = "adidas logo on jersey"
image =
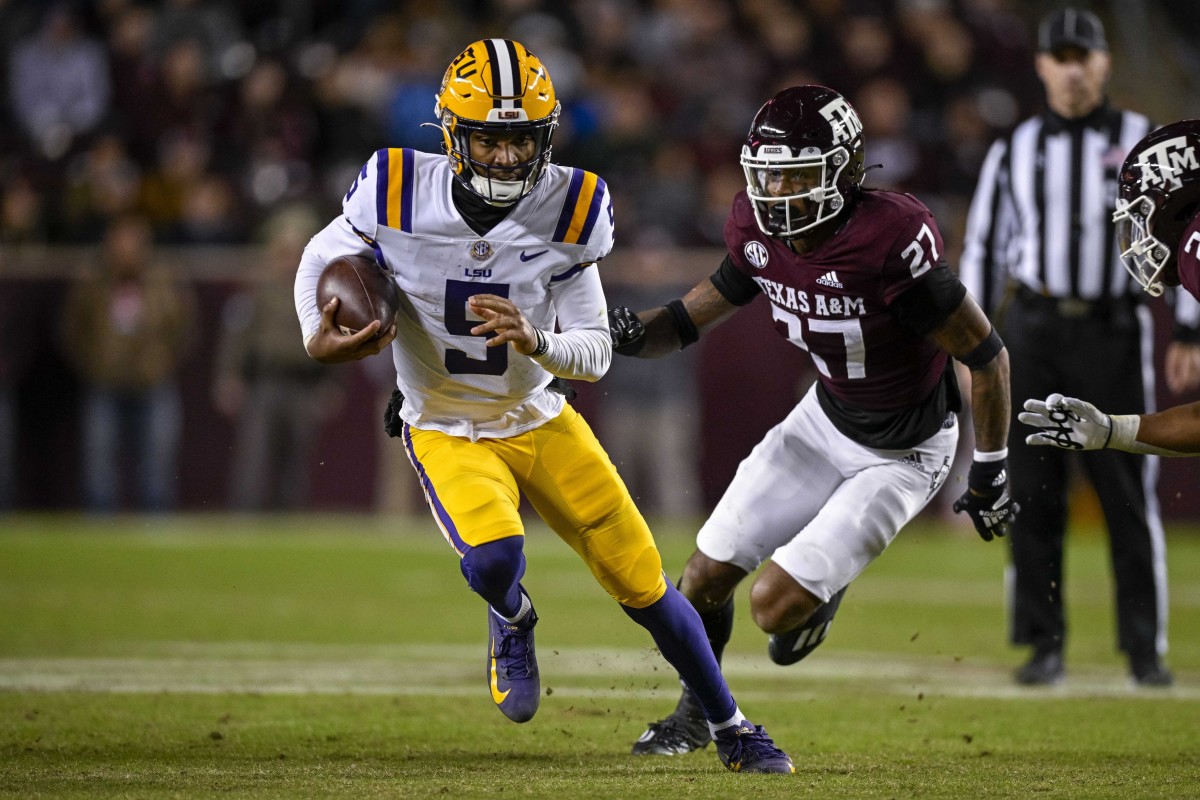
(830, 279)
(913, 460)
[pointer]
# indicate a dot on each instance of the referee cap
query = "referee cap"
(1071, 27)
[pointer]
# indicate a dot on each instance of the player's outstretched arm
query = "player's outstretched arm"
(660, 331)
(330, 346)
(1072, 424)
(1171, 432)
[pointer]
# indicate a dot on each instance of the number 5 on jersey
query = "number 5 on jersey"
(495, 360)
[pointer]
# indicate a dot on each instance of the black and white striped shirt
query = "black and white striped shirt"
(1042, 211)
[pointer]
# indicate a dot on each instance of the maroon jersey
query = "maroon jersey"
(834, 301)
(1188, 258)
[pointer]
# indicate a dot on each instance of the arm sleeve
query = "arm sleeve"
(583, 350)
(929, 301)
(987, 230)
(734, 285)
(338, 238)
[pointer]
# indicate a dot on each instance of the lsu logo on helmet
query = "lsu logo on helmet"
(496, 86)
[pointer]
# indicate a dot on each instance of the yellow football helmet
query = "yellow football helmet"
(496, 85)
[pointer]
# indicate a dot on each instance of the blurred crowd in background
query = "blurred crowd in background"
(207, 115)
(239, 123)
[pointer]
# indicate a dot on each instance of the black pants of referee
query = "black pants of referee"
(1102, 356)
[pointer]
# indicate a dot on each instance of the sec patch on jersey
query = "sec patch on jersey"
(365, 291)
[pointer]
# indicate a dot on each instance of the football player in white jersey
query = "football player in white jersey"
(494, 250)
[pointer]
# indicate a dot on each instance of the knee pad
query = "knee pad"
(493, 570)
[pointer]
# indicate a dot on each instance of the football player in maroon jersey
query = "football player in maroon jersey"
(1158, 226)
(856, 278)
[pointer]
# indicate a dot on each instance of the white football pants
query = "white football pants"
(820, 505)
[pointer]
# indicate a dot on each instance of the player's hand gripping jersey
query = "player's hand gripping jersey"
(400, 209)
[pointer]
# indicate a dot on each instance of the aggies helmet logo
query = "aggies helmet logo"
(1163, 163)
(843, 119)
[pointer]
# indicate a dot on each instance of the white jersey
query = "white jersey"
(400, 210)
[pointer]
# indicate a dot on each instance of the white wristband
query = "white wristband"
(993, 455)
(1124, 431)
(1124, 437)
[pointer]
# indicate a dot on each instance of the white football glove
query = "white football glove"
(1067, 423)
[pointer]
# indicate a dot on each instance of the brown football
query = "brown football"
(365, 291)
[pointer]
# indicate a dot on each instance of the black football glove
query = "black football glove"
(393, 425)
(626, 331)
(563, 387)
(986, 500)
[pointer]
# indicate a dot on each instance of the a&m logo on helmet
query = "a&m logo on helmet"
(843, 119)
(756, 254)
(1163, 163)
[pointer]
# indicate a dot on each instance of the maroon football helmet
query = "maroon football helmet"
(1158, 193)
(803, 159)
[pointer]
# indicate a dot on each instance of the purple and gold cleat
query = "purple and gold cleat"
(747, 748)
(512, 670)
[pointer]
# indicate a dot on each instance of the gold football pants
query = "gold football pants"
(474, 489)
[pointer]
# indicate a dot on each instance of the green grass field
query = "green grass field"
(342, 656)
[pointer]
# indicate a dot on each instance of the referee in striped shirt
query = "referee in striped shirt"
(1041, 258)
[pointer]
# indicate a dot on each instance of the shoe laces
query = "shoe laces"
(513, 645)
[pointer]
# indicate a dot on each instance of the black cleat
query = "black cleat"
(1044, 668)
(1150, 672)
(683, 731)
(788, 648)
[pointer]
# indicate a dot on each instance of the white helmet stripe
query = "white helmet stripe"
(505, 79)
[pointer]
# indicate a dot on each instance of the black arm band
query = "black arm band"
(682, 323)
(735, 286)
(982, 355)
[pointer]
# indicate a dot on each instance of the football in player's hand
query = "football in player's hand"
(365, 292)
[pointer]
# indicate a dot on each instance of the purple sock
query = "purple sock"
(677, 630)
